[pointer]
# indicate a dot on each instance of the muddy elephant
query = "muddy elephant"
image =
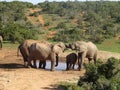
(59, 48)
(71, 60)
(42, 51)
(24, 50)
(1, 39)
(84, 49)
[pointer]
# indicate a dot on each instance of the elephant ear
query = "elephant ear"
(51, 46)
(61, 46)
(82, 48)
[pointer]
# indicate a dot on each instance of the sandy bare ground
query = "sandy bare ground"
(13, 75)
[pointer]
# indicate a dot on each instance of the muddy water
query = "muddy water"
(61, 66)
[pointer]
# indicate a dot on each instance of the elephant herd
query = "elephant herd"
(32, 50)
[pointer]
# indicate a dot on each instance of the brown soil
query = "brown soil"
(41, 20)
(13, 75)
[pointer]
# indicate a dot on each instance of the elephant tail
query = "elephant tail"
(18, 49)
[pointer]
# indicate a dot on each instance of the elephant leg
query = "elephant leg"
(44, 64)
(53, 60)
(57, 59)
(67, 66)
(79, 59)
(29, 62)
(95, 58)
(34, 64)
(40, 64)
(25, 63)
(82, 60)
(70, 66)
(73, 66)
(52, 65)
(90, 59)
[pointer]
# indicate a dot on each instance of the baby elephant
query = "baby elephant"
(71, 60)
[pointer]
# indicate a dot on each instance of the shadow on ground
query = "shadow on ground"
(11, 66)
(53, 87)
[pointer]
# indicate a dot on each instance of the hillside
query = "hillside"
(60, 21)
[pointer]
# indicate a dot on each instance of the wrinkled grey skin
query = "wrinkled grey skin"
(42, 51)
(71, 60)
(24, 50)
(59, 48)
(84, 49)
(1, 40)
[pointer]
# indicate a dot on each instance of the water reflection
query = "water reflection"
(61, 66)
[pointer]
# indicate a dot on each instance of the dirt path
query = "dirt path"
(41, 20)
(13, 76)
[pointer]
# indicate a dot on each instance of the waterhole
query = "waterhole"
(61, 65)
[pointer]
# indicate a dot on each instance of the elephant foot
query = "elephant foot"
(52, 69)
(80, 68)
(67, 69)
(29, 67)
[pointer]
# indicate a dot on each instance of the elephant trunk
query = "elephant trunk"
(57, 59)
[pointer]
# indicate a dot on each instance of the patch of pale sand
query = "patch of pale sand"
(106, 55)
(35, 79)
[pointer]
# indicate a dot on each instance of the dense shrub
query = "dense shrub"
(103, 76)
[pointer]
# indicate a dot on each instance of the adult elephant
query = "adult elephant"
(24, 50)
(59, 48)
(42, 51)
(85, 49)
(1, 39)
(71, 60)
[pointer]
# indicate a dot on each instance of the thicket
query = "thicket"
(13, 22)
(102, 76)
(95, 21)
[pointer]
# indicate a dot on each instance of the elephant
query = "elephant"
(59, 48)
(23, 47)
(84, 49)
(71, 60)
(1, 39)
(42, 51)
(24, 50)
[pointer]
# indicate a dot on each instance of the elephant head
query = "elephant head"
(79, 46)
(59, 48)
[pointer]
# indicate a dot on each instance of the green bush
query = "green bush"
(102, 76)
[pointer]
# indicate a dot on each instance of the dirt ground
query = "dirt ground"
(13, 75)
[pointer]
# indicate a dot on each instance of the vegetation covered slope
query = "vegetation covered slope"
(65, 21)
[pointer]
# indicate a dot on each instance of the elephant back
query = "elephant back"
(92, 50)
(92, 46)
(40, 50)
